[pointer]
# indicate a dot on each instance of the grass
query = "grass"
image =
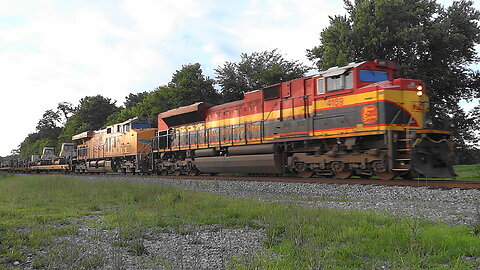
(468, 172)
(35, 209)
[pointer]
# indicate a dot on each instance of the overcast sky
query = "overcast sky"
(58, 50)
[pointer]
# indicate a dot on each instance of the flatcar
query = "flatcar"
(47, 162)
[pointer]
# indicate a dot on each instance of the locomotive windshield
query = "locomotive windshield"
(373, 75)
(141, 125)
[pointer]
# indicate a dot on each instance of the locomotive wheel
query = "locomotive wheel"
(386, 175)
(193, 172)
(343, 175)
(305, 174)
(163, 172)
(177, 172)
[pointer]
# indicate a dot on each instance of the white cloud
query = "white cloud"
(288, 25)
(218, 57)
(157, 20)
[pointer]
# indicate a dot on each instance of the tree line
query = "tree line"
(430, 42)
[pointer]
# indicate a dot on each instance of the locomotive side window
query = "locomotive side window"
(339, 82)
(373, 75)
(271, 92)
(140, 125)
(348, 80)
(334, 83)
(320, 86)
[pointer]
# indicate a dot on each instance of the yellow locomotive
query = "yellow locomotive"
(117, 148)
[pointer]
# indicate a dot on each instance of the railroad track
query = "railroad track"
(443, 184)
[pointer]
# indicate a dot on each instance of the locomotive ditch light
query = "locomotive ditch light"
(420, 90)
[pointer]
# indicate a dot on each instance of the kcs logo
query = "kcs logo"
(369, 114)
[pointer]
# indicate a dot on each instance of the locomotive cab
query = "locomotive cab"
(367, 97)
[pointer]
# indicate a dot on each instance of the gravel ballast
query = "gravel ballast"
(453, 206)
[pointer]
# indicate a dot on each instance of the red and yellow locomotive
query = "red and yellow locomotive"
(360, 119)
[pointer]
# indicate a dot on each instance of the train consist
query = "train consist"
(360, 119)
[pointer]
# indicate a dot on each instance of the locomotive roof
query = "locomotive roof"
(335, 71)
(89, 134)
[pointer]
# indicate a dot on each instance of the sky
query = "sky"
(55, 51)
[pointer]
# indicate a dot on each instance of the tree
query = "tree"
(48, 126)
(133, 99)
(90, 114)
(48, 129)
(255, 71)
(429, 42)
(33, 145)
(189, 85)
(66, 108)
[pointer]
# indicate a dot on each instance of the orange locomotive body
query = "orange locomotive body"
(360, 119)
(117, 148)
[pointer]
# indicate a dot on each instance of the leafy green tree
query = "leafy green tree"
(428, 41)
(48, 126)
(33, 145)
(66, 109)
(255, 71)
(90, 114)
(152, 103)
(189, 85)
(133, 99)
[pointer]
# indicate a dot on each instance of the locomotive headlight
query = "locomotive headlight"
(419, 90)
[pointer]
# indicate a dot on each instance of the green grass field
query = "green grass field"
(297, 237)
(468, 172)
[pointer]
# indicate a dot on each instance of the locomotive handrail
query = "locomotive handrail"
(274, 105)
(394, 118)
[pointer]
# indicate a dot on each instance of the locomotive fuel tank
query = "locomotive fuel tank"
(261, 163)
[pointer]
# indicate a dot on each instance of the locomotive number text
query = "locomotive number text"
(335, 102)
